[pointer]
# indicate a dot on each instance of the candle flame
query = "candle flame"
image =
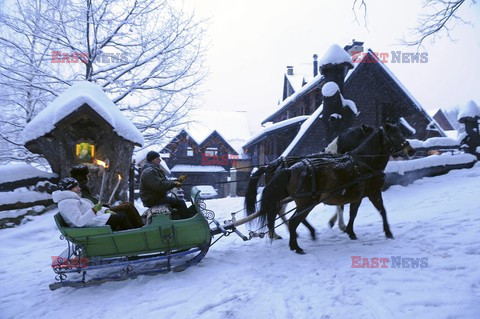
(119, 177)
(101, 163)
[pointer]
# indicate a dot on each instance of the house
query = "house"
(209, 151)
(359, 91)
(82, 125)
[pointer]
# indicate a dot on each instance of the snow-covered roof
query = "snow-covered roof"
(335, 55)
(404, 89)
(183, 168)
(304, 128)
(292, 98)
(232, 126)
(17, 172)
(470, 109)
(69, 101)
(277, 126)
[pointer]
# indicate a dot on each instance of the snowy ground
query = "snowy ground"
(436, 218)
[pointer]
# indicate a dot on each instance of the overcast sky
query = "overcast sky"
(253, 41)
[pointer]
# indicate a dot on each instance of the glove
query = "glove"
(182, 178)
(97, 206)
(177, 184)
(108, 211)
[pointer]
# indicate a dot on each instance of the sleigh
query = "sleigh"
(161, 246)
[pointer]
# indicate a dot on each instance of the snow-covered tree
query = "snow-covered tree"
(146, 55)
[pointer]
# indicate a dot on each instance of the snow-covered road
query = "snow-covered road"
(437, 219)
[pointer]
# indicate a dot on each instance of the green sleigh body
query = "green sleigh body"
(165, 243)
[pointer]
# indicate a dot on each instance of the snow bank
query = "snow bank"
(69, 101)
(434, 142)
(17, 172)
(401, 167)
(22, 197)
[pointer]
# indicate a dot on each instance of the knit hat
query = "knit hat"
(67, 183)
(152, 155)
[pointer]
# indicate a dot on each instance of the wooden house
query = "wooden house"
(83, 125)
(206, 162)
(377, 95)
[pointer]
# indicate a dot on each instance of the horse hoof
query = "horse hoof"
(314, 237)
(331, 224)
(342, 228)
(389, 236)
(352, 236)
(300, 251)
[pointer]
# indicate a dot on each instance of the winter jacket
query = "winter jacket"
(77, 211)
(154, 185)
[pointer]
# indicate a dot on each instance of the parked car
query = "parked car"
(207, 191)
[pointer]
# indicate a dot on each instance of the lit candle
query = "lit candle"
(104, 166)
(115, 189)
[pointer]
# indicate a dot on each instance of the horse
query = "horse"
(343, 143)
(335, 181)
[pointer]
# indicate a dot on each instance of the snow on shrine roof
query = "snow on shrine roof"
(335, 55)
(471, 109)
(70, 100)
(304, 128)
(182, 168)
(17, 172)
(277, 126)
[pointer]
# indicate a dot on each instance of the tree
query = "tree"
(439, 17)
(146, 55)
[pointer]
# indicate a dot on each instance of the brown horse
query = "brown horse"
(335, 181)
(345, 142)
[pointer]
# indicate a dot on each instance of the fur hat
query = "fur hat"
(67, 183)
(152, 155)
(79, 171)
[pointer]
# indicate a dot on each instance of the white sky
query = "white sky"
(253, 41)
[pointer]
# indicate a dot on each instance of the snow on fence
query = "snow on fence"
(405, 172)
(23, 186)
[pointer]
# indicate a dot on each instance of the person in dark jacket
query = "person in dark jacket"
(80, 173)
(154, 186)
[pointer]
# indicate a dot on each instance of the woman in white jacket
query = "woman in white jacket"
(81, 212)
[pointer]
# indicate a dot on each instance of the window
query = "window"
(189, 151)
(85, 152)
(211, 151)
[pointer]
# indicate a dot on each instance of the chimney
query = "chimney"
(315, 65)
(289, 70)
(354, 48)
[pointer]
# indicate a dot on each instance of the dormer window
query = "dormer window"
(84, 152)
(211, 151)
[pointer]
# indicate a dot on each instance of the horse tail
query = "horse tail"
(273, 193)
(251, 193)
